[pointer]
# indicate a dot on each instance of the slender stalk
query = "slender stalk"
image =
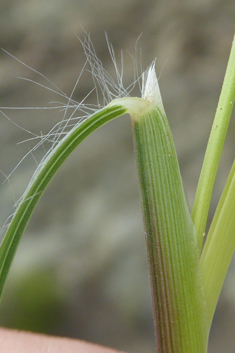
(214, 149)
(220, 245)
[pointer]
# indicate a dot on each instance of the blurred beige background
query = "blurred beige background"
(81, 269)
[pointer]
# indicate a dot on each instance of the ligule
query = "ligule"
(177, 290)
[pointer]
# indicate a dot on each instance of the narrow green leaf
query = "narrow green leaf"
(41, 179)
(220, 245)
(214, 149)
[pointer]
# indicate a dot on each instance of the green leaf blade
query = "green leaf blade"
(214, 149)
(220, 245)
(42, 178)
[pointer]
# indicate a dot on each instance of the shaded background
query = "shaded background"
(81, 268)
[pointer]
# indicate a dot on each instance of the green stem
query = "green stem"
(214, 149)
(177, 290)
(41, 179)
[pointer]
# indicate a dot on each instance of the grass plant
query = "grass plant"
(186, 277)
